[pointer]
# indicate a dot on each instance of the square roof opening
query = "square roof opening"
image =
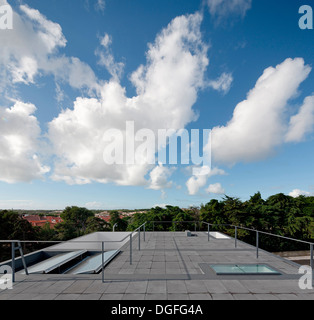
(244, 269)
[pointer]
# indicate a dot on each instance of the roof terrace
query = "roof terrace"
(172, 266)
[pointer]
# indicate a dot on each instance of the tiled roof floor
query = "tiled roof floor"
(170, 266)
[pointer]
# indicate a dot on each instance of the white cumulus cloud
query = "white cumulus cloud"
(19, 144)
(167, 87)
(223, 83)
(159, 178)
(93, 205)
(32, 49)
(258, 124)
(297, 193)
(106, 58)
(215, 189)
(224, 8)
(195, 183)
(303, 122)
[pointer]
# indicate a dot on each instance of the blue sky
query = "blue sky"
(72, 69)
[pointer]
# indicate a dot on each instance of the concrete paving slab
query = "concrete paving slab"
(156, 296)
(196, 286)
(137, 287)
(89, 296)
(244, 296)
(59, 286)
(178, 296)
(200, 296)
(266, 297)
(133, 296)
(117, 287)
(78, 287)
(234, 286)
(176, 286)
(96, 286)
(109, 296)
(222, 296)
(70, 296)
(157, 287)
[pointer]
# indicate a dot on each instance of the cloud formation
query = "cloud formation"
(106, 58)
(297, 193)
(31, 50)
(223, 83)
(258, 124)
(221, 9)
(167, 87)
(302, 123)
(100, 5)
(159, 178)
(195, 183)
(19, 143)
(215, 189)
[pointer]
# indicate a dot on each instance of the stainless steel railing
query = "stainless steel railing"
(236, 228)
(143, 228)
(174, 223)
(311, 244)
(19, 247)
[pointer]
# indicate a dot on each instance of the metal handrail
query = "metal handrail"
(195, 223)
(311, 244)
(262, 232)
(130, 235)
(143, 226)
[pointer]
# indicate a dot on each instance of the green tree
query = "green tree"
(95, 224)
(255, 217)
(213, 212)
(76, 218)
(182, 219)
(235, 211)
(65, 231)
(115, 219)
(46, 233)
(14, 227)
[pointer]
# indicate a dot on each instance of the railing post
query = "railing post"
(257, 243)
(102, 262)
(13, 260)
(144, 230)
(139, 239)
(312, 261)
(22, 257)
(131, 248)
(208, 231)
(236, 237)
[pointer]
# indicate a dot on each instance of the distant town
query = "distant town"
(40, 218)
